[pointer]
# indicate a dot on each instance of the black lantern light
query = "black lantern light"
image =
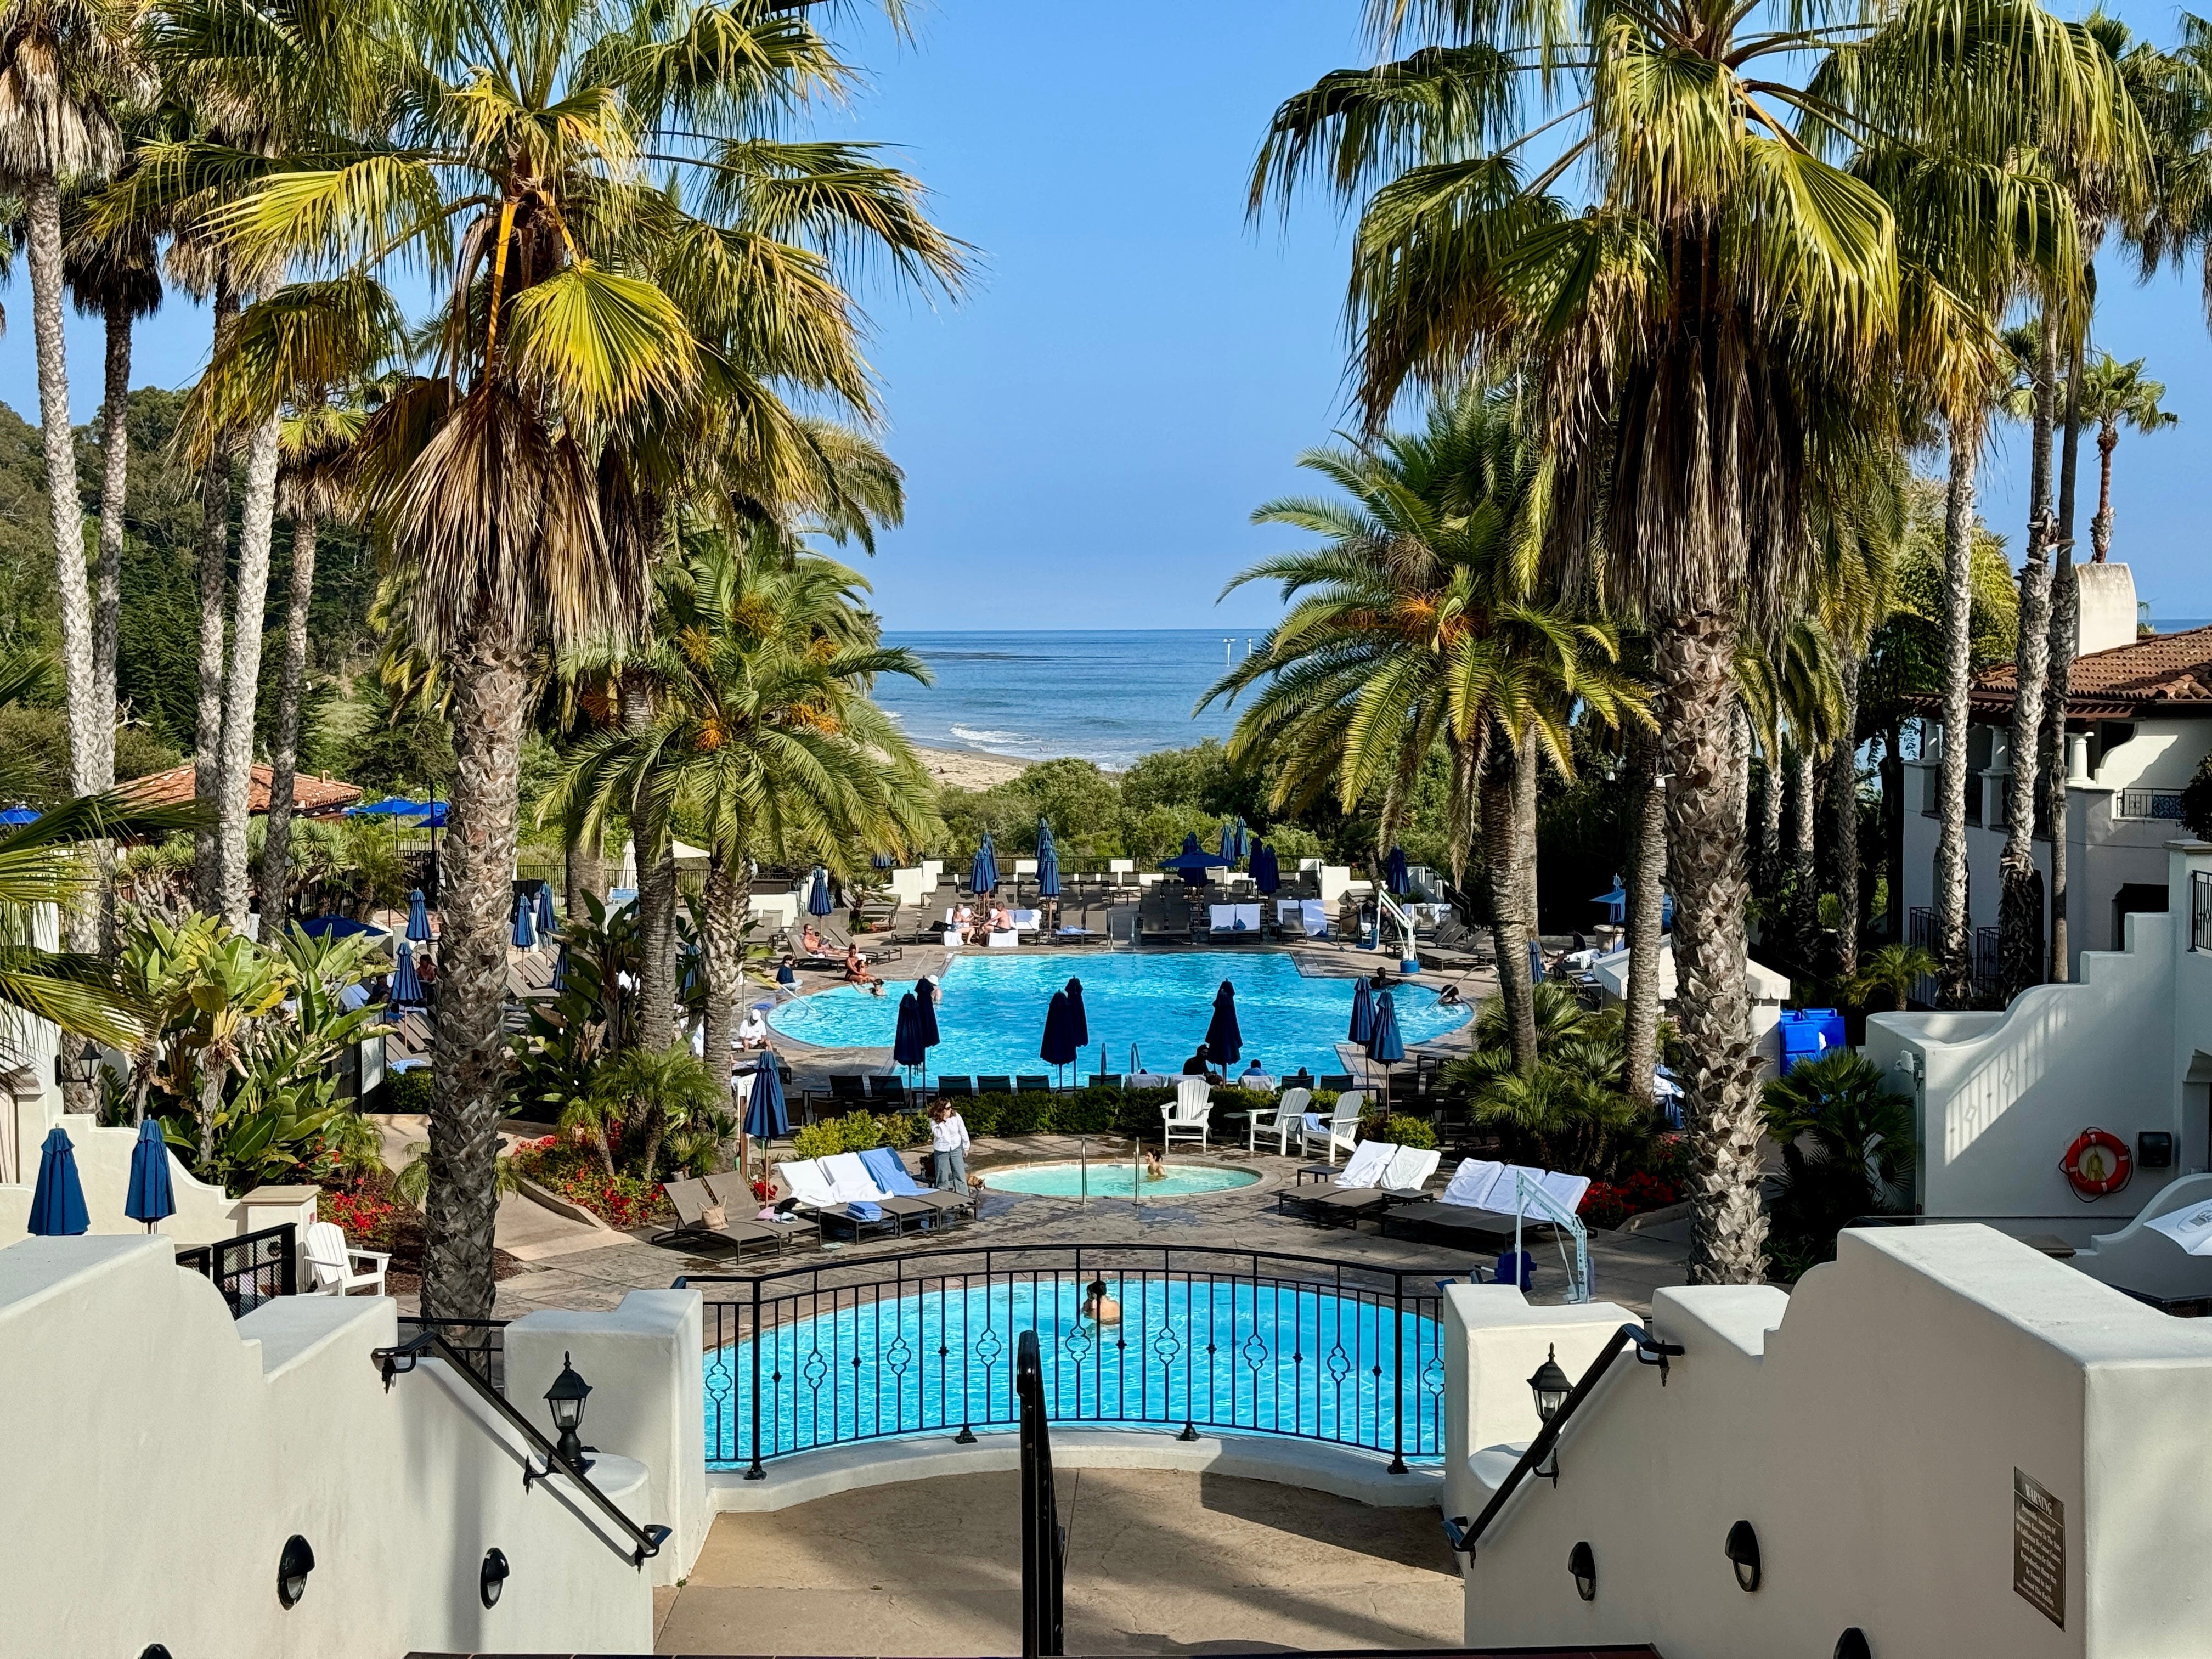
(1550, 1386)
(1743, 1549)
(83, 1066)
(493, 1578)
(1581, 1565)
(155, 1651)
(565, 1399)
(1852, 1645)
(292, 1567)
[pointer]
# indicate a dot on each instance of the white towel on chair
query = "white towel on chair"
(1026, 920)
(1565, 1190)
(1005, 941)
(850, 1181)
(1315, 917)
(1472, 1182)
(1290, 910)
(1410, 1170)
(1368, 1159)
(807, 1182)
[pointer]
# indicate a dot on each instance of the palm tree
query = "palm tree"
(1724, 311)
(2116, 394)
(1418, 623)
(599, 334)
(63, 66)
(764, 741)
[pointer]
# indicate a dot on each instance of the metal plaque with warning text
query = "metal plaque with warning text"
(2039, 1548)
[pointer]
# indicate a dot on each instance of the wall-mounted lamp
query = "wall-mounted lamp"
(1852, 1645)
(493, 1578)
(83, 1066)
(292, 1567)
(1743, 1549)
(565, 1399)
(1550, 1386)
(1582, 1566)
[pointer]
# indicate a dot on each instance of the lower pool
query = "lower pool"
(991, 1012)
(1116, 1178)
(1225, 1354)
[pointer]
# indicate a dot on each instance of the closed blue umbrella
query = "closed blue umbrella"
(1384, 1046)
(1535, 962)
(1266, 874)
(907, 1047)
(882, 862)
(1228, 844)
(546, 920)
(1048, 863)
(983, 873)
(1059, 1047)
(151, 1198)
(1078, 1022)
(766, 1116)
(524, 935)
(406, 983)
(925, 996)
(418, 918)
(818, 900)
(561, 970)
(1193, 861)
(58, 1203)
(1394, 872)
(1243, 839)
(1362, 1011)
(1224, 1043)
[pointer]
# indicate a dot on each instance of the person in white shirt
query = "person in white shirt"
(948, 1146)
(752, 1031)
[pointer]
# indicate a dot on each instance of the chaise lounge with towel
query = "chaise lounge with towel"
(1378, 1174)
(697, 1225)
(1482, 1196)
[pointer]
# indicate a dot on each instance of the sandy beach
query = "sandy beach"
(968, 768)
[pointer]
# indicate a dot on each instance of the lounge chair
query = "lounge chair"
(995, 1085)
(1282, 1123)
(1340, 1128)
(331, 1261)
(1480, 1197)
(818, 1198)
(1377, 1174)
(854, 1183)
(955, 1088)
(889, 1171)
(1339, 1081)
(1033, 1083)
(848, 1090)
(887, 1091)
(693, 1199)
(1188, 1116)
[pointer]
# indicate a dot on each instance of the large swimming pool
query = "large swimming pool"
(991, 1014)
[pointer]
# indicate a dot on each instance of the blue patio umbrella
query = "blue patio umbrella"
(687, 978)
(1267, 874)
(1394, 872)
(1047, 874)
(406, 983)
(1243, 839)
(907, 1046)
(1535, 962)
(1228, 844)
(1193, 861)
(924, 1012)
(429, 814)
(1362, 1011)
(1385, 1048)
(817, 897)
(150, 1196)
(15, 815)
(524, 934)
(392, 806)
(547, 921)
(57, 1202)
(766, 1116)
(983, 873)
(882, 862)
(1224, 1043)
(418, 918)
(1059, 1047)
(1078, 1022)
(561, 970)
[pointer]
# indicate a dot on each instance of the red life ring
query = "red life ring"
(2097, 1164)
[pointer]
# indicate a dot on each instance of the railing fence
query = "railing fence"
(250, 1269)
(480, 1344)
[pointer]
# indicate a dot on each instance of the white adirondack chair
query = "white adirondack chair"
(332, 1259)
(1339, 1129)
(1286, 1120)
(1188, 1116)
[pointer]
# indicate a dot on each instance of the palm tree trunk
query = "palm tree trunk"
(1508, 922)
(729, 886)
(65, 513)
(215, 575)
(257, 527)
(2065, 641)
(490, 695)
(1844, 805)
(656, 890)
(1647, 886)
(1957, 675)
(114, 497)
(1892, 830)
(1695, 669)
(2100, 527)
(1804, 895)
(2020, 901)
(1767, 872)
(284, 742)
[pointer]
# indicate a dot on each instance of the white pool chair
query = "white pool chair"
(331, 1261)
(1282, 1123)
(1188, 1116)
(1340, 1129)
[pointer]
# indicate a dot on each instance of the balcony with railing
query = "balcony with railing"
(2153, 805)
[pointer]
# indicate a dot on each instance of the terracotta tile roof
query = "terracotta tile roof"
(2167, 673)
(311, 795)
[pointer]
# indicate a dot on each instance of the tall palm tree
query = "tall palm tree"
(598, 330)
(1418, 622)
(64, 65)
(2115, 394)
(1722, 311)
(764, 742)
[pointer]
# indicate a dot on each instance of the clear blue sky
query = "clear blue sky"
(1135, 368)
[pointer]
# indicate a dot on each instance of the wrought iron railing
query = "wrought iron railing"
(1188, 1338)
(479, 1344)
(1984, 964)
(2150, 804)
(1044, 1541)
(2200, 910)
(250, 1269)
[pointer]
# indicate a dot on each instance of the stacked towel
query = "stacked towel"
(1315, 917)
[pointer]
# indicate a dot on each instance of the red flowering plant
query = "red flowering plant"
(571, 1168)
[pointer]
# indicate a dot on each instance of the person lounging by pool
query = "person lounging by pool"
(856, 972)
(1255, 1076)
(812, 941)
(1201, 1064)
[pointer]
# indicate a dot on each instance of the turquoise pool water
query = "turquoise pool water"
(991, 1014)
(1271, 1357)
(1116, 1178)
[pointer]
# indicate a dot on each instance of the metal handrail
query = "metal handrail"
(1649, 1351)
(1044, 1543)
(1326, 1264)
(398, 1360)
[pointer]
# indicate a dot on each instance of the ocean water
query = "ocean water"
(1103, 697)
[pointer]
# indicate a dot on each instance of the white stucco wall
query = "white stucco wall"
(2107, 607)
(158, 1456)
(1869, 1427)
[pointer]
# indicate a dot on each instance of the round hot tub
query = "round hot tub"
(1114, 1178)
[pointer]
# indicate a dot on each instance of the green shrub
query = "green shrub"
(403, 1091)
(859, 1132)
(817, 1140)
(1415, 1132)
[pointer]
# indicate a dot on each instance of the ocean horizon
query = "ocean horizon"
(1106, 695)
